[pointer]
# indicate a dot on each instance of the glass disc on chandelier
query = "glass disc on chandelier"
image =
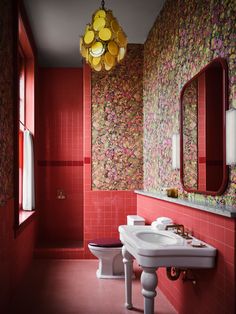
(104, 42)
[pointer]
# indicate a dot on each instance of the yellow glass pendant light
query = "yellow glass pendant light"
(104, 43)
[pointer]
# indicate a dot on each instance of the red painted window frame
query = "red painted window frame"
(22, 98)
(24, 45)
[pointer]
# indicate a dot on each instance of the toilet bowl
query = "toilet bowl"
(108, 252)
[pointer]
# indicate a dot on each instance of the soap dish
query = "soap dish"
(198, 244)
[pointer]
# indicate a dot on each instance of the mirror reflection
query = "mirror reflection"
(203, 106)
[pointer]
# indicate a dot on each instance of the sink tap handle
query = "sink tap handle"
(179, 228)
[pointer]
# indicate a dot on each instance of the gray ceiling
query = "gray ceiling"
(58, 24)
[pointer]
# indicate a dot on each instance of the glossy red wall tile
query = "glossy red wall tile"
(16, 253)
(103, 211)
(215, 290)
(60, 154)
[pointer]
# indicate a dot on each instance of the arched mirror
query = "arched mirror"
(204, 101)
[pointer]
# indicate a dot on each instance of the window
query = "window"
(21, 75)
(22, 65)
(26, 102)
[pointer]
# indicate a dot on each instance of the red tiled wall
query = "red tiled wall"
(15, 253)
(104, 211)
(215, 290)
(60, 154)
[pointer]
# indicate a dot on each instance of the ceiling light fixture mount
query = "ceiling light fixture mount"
(104, 42)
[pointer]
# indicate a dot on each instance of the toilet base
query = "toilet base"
(101, 276)
(110, 264)
(110, 261)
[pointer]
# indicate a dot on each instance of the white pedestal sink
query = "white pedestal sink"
(153, 249)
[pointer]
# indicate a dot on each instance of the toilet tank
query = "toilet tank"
(135, 220)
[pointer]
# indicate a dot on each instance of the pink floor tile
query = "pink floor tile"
(71, 287)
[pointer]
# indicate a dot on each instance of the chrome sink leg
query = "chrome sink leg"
(128, 265)
(149, 283)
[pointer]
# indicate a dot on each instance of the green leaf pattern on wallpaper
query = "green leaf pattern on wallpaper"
(185, 37)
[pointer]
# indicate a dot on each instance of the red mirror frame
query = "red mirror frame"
(224, 182)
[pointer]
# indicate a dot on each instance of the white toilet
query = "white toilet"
(108, 252)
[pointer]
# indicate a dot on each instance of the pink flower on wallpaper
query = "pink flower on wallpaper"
(117, 128)
(216, 43)
(109, 153)
(112, 117)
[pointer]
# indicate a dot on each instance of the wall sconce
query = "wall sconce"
(176, 151)
(231, 137)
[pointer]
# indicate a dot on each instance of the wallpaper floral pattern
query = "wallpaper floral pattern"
(190, 136)
(185, 37)
(6, 104)
(117, 124)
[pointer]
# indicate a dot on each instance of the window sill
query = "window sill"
(25, 217)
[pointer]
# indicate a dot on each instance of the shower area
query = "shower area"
(59, 158)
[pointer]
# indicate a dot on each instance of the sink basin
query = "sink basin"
(158, 248)
(156, 238)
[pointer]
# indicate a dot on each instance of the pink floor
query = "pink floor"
(71, 287)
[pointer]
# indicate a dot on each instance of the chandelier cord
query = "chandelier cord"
(103, 4)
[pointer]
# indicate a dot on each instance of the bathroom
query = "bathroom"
(111, 137)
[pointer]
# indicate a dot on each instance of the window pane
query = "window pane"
(22, 89)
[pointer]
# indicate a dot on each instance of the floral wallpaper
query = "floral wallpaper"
(6, 104)
(117, 124)
(185, 37)
(190, 136)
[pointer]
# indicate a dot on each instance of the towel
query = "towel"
(28, 200)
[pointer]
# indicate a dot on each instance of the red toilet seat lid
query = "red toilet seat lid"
(106, 242)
